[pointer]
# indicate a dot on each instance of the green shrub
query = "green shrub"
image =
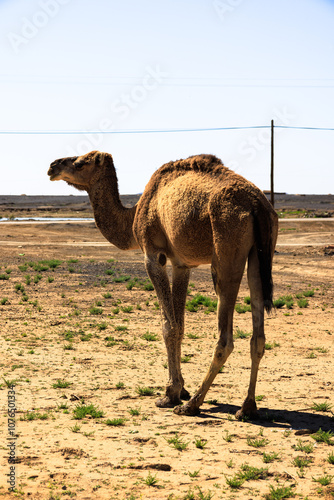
(61, 384)
(102, 326)
(177, 443)
(127, 309)
(116, 421)
(241, 309)
(85, 337)
(149, 336)
(130, 284)
(323, 436)
(147, 285)
(279, 493)
(201, 443)
(240, 334)
(81, 411)
(278, 303)
(95, 310)
(109, 272)
(53, 263)
(121, 328)
(121, 279)
(200, 300)
(145, 391)
(248, 473)
(19, 287)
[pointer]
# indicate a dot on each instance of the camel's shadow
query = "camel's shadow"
(283, 419)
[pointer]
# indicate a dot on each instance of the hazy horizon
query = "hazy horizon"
(267, 192)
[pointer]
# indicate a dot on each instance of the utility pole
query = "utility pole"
(272, 196)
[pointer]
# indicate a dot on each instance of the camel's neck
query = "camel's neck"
(111, 217)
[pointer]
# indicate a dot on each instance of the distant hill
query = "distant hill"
(71, 202)
(283, 201)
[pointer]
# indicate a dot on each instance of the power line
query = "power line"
(171, 81)
(154, 131)
(304, 128)
(144, 131)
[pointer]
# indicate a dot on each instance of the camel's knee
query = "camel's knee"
(222, 352)
(171, 335)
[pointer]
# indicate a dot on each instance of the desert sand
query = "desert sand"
(86, 336)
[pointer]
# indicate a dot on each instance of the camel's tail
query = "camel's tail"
(265, 230)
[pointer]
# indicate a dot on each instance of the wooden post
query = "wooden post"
(272, 196)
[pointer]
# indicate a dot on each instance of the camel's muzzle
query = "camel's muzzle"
(54, 170)
(57, 166)
(51, 172)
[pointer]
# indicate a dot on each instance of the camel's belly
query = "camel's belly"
(185, 220)
(190, 241)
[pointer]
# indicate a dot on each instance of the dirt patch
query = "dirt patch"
(82, 339)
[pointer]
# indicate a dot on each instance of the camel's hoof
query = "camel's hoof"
(247, 411)
(185, 395)
(186, 410)
(167, 402)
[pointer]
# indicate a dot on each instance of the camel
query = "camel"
(193, 211)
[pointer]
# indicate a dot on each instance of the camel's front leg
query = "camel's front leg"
(223, 349)
(171, 324)
(179, 291)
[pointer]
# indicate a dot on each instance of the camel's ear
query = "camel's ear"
(79, 162)
(92, 157)
(103, 159)
(98, 158)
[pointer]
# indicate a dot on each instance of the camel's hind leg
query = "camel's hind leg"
(258, 338)
(227, 274)
(172, 308)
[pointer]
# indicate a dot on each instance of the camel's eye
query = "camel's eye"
(78, 166)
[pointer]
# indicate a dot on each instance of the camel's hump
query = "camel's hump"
(204, 163)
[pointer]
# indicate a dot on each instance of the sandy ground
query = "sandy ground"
(77, 336)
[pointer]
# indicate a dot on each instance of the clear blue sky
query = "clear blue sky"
(136, 65)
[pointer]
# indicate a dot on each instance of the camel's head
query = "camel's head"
(80, 171)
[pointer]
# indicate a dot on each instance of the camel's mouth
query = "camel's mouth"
(54, 176)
